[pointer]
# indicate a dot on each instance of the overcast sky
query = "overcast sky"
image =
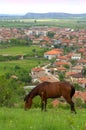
(42, 6)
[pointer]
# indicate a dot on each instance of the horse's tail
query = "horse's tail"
(72, 91)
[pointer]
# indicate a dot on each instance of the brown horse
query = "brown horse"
(51, 90)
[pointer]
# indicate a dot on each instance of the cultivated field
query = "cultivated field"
(21, 50)
(27, 63)
(34, 119)
(76, 23)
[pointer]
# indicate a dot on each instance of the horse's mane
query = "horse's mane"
(28, 95)
(35, 90)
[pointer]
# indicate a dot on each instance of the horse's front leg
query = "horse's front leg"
(45, 103)
(42, 105)
(71, 105)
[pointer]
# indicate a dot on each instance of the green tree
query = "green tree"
(61, 76)
(11, 92)
(50, 34)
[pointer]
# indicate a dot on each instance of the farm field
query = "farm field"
(20, 50)
(28, 63)
(71, 23)
(34, 119)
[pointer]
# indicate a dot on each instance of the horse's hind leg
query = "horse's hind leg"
(71, 104)
(72, 107)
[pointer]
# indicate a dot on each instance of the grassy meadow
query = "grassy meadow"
(28, 63)
(34, 119)
(20, 50)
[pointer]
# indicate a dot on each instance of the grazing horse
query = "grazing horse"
(51, 90)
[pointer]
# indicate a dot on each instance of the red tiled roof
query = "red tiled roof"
(62, 63)
(37, 69)
(82, 80)
(70, 73)
(82, 61)
(82, 49)
(46, 38)
(61, 68)
(63, 57)
(54, 52)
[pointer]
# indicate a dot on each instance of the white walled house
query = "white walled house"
(53, 53)
(76, 56)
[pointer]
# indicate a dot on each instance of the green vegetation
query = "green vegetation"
(34, 119)
(26, 64)
(11, 89)
(75, 23)
(22, 50)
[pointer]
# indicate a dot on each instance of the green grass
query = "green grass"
(71, 23)
(34, 119)
(27, 64)
(18, 50)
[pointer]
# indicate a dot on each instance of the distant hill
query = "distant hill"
(43, 16)
(52, 15)
(7, 16)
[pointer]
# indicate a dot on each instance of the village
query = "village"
(69, 65)
(43, 65)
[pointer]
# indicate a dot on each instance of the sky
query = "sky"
(20, 7)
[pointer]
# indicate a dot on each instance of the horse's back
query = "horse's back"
(56, 89)
(50, 89)
(67, 89)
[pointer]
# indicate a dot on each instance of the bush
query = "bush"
(80, 103)
(10, 92)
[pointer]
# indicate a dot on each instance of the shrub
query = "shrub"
(10, 92)
(80, 103)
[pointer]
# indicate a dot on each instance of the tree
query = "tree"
(35, 21)
(61, 76)
(50, 34)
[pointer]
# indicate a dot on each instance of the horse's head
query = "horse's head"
(28, 102)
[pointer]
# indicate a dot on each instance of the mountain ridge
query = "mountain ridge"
(51, 15)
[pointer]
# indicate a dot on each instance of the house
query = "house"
(37, 73)
(62, 58)
(48, 78)
(61, 69)
(62, 63)
(53, 53)
(77, 68)
(74, 76)
(81, 62)
(76, 56)
(82, 82)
